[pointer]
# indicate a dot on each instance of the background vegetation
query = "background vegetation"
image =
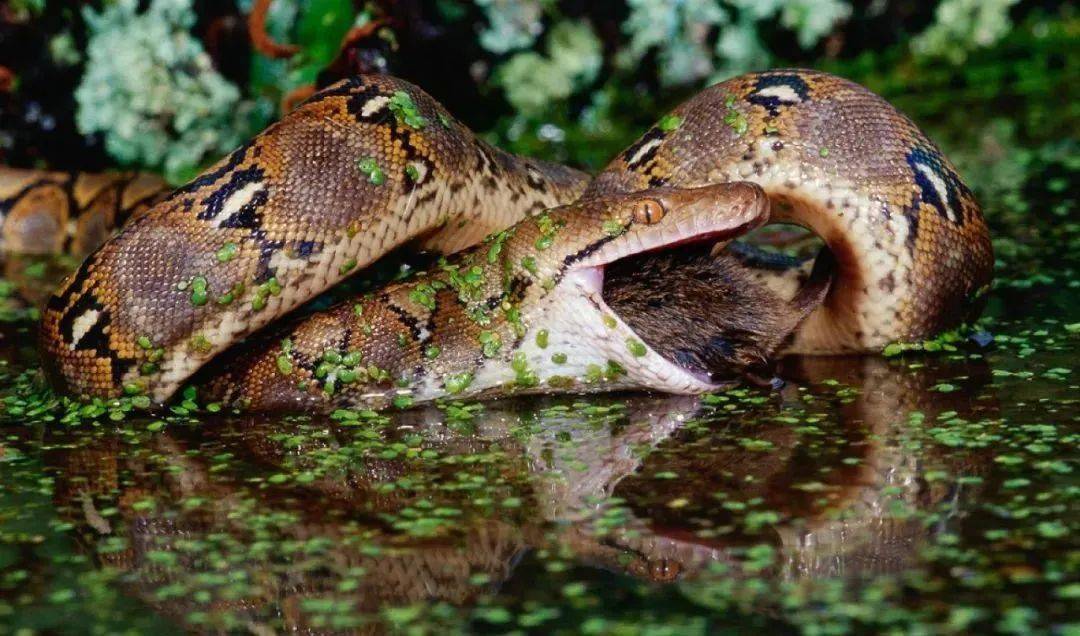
(170, 85)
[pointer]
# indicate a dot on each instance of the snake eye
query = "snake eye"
(648, 211)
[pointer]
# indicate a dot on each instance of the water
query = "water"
(925, 492)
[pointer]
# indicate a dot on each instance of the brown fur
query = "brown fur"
(708, 313)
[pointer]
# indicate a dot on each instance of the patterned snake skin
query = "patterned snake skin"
(461, 330)
(373, 162)
(50, 212)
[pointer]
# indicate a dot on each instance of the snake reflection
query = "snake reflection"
(570, 464)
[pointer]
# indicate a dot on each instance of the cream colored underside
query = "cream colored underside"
(877, 241)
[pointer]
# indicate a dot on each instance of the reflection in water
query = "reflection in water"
(873, 536)
(308, 523)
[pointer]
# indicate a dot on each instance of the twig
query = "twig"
(293, 98)
(363, 31)
(7, 79)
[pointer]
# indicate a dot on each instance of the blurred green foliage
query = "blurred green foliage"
(970, 56)
(963, 25)
(533, 81)
(573, 85)
(152, 91)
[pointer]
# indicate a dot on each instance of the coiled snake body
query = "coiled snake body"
(373, 162)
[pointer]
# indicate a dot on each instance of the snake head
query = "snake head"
(618, 227)
(587, 337)
(583, 238)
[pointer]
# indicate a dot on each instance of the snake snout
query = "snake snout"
(666, 218)
(729, 209)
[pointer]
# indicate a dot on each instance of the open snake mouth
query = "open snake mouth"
(692, 307)
(626, 289)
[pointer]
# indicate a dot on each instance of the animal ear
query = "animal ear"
(813, 291)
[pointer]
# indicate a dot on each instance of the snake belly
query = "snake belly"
(373, 162)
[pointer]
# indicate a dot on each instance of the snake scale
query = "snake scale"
(372, 163)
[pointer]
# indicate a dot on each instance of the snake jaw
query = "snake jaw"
(716, 213)
(616, 342)
(597, 340)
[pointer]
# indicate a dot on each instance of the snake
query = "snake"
(373, 163)
(50, 212)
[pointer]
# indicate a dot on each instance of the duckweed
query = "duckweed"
(347, 267)
(264, 291)
(670, 122)
(199, 295)
(370, 167)
(200, 343)
(614, 227)
(548, 227)
(490, 343)
(523, 376)
(405, 110)
(457, 382)
(226, 252)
